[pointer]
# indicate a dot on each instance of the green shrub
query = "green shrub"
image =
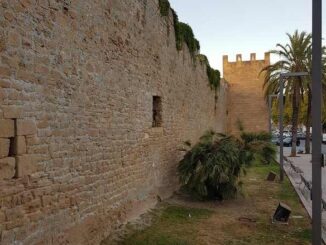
(260, 145)
(248, 137)
(211, 169)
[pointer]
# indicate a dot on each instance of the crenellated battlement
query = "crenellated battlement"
(252, 59)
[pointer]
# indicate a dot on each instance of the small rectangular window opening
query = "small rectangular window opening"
(13, 145)
(157, 111)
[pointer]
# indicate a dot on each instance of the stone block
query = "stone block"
(9, 16)
(7, 128)
(20, 145)
(14, 38)
(25, 165)
(10, 112)
(4, 71)
(7, 168)
(4, 147)
(26, 127)
(2, 42)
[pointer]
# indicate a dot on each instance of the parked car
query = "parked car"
(275, 139)
(287, 141)
(324, 138)
(287, 133)
(301, 135)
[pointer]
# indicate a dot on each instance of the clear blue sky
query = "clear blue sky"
(243, 26)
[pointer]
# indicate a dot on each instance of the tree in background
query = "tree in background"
(305, 108)
(293, 58)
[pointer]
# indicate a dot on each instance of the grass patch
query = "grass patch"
(178, 214)
(176, 226)
(186, 224)
(304, 234)
(155, 239)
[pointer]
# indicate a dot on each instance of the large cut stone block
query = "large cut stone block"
(11, 112)
(25, 165)
(4, 147)
(7, 168)
(7, 128)
(20, 145)
(26, 127)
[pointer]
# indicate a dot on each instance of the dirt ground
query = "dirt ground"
(245, 220)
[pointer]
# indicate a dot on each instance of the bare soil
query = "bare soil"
(245, 220)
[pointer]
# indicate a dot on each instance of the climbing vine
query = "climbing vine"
(214, 76)
(185, 34)
(164, 7)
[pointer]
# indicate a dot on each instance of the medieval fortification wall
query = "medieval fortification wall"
(80, 148)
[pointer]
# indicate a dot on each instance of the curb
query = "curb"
(305, 203)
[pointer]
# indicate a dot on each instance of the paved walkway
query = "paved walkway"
(298, 169)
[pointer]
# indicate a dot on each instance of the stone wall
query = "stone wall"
(246, 103)
(78, 150)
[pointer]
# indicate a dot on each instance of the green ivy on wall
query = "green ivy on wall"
(214, 76)
(185, 34)
(164, 7)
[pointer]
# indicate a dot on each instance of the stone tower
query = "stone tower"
(246, 101)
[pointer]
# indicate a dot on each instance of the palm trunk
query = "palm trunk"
(295, 119)
(308, 123)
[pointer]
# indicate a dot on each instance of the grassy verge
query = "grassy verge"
(246, 220)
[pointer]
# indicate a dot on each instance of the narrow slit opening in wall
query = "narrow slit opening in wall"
(12, 147)
(12, 144)
(157, 111)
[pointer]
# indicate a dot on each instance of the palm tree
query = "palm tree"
(293, 59)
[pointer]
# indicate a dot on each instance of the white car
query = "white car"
(324, 138)
(287, 142)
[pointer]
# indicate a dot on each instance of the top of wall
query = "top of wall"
(252, 60)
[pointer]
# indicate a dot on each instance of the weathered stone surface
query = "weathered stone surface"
(86, 72)
(26, 127)
(7, 128)
(25, 165)
(4, 147)
(11, 112)
(246, 101)
(14, 39)
(20, 145)
(7, 168)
